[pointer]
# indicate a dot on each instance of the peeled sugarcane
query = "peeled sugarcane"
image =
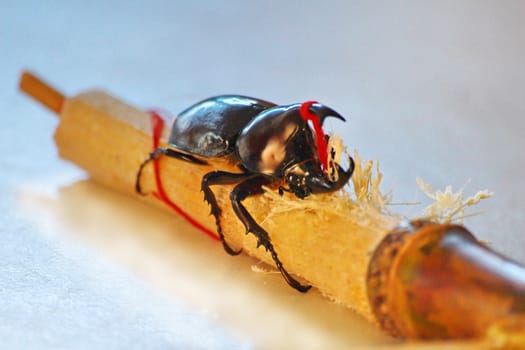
(419, 279)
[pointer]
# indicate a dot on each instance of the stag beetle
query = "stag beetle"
(270, 144)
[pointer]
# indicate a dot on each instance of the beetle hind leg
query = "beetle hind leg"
(156, 154)
(251, 187)
(152, 156)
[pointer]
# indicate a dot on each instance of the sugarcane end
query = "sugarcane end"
(42, 92)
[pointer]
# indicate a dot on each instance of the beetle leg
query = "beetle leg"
(170, 152)
(156, 154)
(220, 178)
(250, 187)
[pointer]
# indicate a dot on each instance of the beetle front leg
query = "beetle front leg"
(252, 187)
(220, 178)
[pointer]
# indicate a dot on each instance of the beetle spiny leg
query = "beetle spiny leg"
(264, 240)
(216, 211)
(219, 178)
(291, 281)
(251, 187)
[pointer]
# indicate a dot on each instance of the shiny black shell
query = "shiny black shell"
(277, 138)
(210, 128)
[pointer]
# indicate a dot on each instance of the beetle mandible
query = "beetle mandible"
(270, 144)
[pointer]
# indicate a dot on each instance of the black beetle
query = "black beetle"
(270, 144)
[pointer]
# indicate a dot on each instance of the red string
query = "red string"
(158, 126)
(322, 147)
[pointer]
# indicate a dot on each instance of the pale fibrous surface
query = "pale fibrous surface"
(364, 199)
(449, 206)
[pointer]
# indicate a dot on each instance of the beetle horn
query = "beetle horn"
(323, 112)
(322, 184)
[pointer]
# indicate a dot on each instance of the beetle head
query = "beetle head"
(280, 143)
(306, 178)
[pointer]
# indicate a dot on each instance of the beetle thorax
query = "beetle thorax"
(276, 140)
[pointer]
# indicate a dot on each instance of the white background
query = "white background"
(433, 89)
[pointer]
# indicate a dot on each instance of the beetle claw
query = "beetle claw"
(230, 250)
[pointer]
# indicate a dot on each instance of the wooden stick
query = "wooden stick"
(41, 92)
